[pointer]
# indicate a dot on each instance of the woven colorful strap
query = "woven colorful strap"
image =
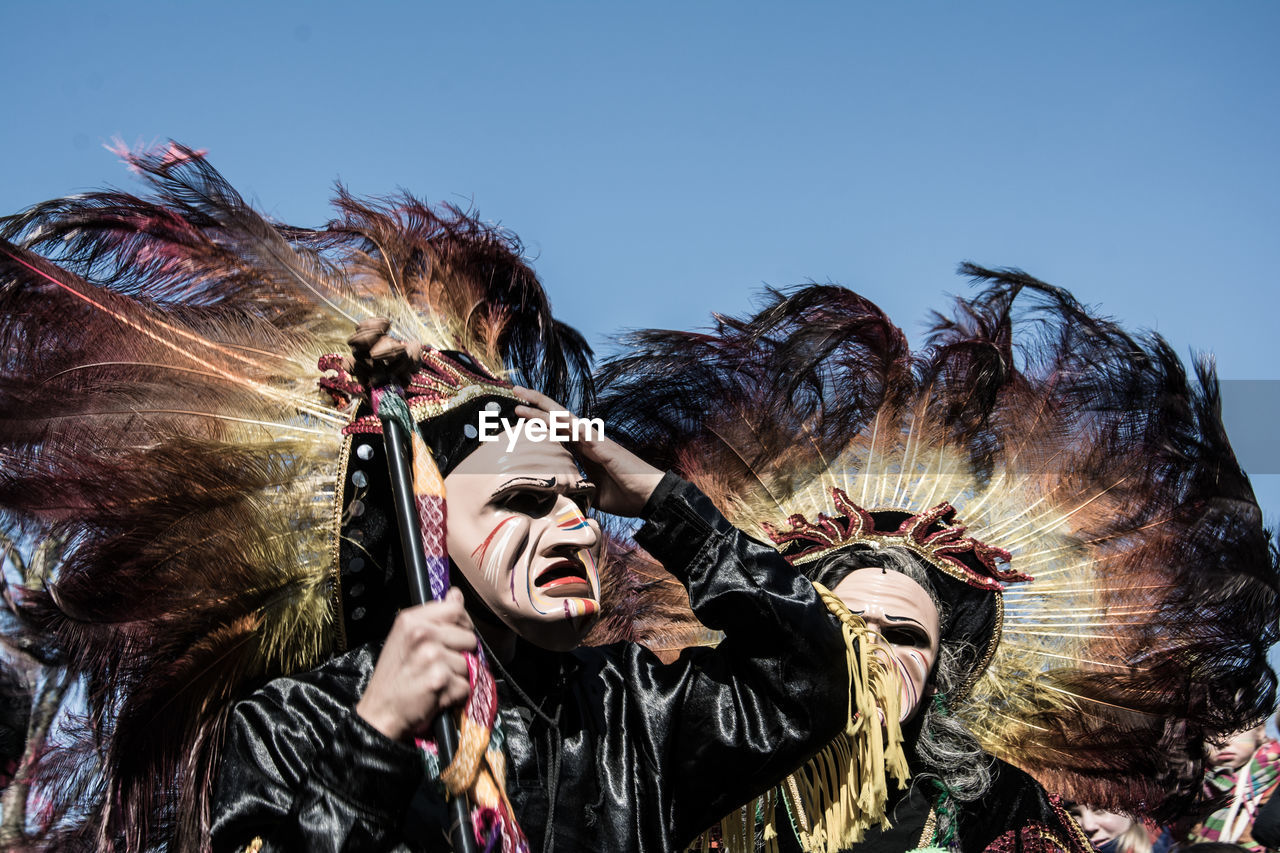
(428, 488)
(478, 768)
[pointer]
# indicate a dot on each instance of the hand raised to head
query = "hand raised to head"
(623, 480)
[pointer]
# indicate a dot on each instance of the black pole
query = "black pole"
(461, 835)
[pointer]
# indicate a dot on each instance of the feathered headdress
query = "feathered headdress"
(1073, 492)
(160, 360)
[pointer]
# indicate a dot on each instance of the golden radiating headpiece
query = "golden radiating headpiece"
(1112, 571)
(165, 422)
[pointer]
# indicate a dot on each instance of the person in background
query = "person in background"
(1243, 774)
(1115, 832)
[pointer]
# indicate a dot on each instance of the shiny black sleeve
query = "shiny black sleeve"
(732, 721)
(302, 771)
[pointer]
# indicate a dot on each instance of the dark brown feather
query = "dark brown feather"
(1019, 378)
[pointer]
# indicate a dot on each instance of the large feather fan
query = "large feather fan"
(162, 419)
(1083, 450)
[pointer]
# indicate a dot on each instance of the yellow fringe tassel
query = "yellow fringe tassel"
(842, 791)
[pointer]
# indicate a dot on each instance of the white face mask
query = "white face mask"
(904, 620)
(518, 531)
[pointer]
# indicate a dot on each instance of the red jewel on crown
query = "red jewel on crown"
(935, 534)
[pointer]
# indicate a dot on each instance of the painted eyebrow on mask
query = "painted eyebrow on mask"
(891, 618)
(539, 482)
(581, 486)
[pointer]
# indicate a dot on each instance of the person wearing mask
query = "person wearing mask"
(1039, 519)
(202, 435)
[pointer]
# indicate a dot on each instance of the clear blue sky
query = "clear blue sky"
(663, 160)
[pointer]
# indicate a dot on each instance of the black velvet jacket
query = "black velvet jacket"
(609, 749)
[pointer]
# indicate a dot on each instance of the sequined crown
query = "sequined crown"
(444, 380)
(936, 535)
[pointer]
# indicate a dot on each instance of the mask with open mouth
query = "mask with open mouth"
(518, 531)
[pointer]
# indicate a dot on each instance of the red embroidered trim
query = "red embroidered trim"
(438, 380)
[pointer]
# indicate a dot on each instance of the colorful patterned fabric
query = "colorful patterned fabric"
(1246, 789)
(478, 768)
